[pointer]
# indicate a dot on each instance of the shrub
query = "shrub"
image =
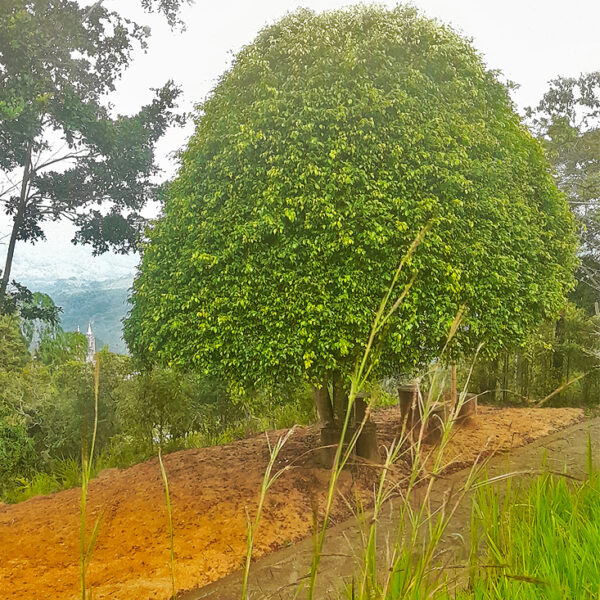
(17, 454)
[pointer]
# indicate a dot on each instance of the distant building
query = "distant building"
(91, 345)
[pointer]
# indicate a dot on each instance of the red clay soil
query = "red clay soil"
(211, 489)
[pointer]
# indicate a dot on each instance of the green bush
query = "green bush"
(17, 454)
(13, 349)
(156, 406)
(40, 483)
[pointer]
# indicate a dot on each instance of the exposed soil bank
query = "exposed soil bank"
(211, 490)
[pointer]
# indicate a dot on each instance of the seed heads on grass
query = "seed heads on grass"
(268, 480)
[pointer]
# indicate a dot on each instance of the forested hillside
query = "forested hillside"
(102, 303)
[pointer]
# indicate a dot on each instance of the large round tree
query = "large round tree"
(318, 157)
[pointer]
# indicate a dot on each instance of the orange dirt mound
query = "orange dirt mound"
(211, 488)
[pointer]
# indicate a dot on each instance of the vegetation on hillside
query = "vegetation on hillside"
(47, 411)
(359, 204)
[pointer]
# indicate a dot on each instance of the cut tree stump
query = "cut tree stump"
(408, 402)
(411, 414)
(467, 410)
(366, 444)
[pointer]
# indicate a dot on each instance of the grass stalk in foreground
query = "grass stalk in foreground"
(420, 528)
(267, 482)
(361, 374)
(86, 549)
(170, 513)
(409, 570)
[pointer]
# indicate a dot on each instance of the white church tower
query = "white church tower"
(91, 345)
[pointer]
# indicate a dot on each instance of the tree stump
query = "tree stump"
(435, 424)
(366, 444)
(467, 410)
(408, 401)
(411, 414)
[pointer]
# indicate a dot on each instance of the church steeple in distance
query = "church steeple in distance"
(91, 345)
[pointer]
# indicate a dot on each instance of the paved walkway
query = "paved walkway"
(278, 575)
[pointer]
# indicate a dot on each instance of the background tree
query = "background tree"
(59, 347)
(17, 453)
(67, 415)
(567, 120)
(39, 315)
(13, 347)
(37, 311)
(157, 406)
(170, 8)
(320, 155)
(63, 153)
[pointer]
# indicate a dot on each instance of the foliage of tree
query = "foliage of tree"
(62, 347)
(39, 315)
(37, 311)
(63, 151)
(330, 143)
(170, 8)
(55, 403)
(68, 415)
(24, 392)
(13, 347)
(18, 391)
(157, 406)
(567, 120)
(17, 453)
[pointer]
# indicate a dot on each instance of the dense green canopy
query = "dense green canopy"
(13, 349)
(319, 156)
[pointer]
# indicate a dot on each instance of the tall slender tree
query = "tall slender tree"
(64, 153)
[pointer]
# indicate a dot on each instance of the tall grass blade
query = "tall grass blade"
(170, 513)
(267, 482)
(85, 554)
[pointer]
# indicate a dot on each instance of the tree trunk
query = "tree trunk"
(331, 432)
(340, 399)
(558, 354)
(504, 376)
(323, 403)
(408, 399)
(17, 222)
(491, 380)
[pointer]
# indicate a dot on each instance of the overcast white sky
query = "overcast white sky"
(530, 41)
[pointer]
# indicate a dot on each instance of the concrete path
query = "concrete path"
(279, 575)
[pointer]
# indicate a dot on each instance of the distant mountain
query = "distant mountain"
(101, 303)
(89, 288)
(75, 265)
